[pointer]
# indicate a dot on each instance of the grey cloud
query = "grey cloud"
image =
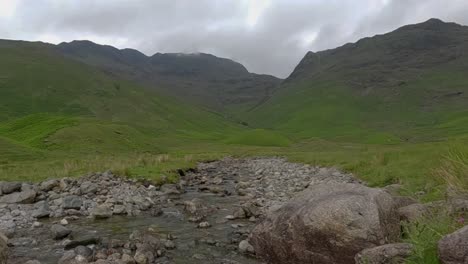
(274, 44)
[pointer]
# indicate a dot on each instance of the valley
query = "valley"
(388, 110)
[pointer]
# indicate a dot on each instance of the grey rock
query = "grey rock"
(59, 231)
(102, 211)
(83, 251)
(10, 187)
(23, 197)
(327, 223)
(72, 202)
(67, 257)
(32, 262)
(127, 259)
(246, 247)
(42, 210)
(169, 244)
(88, 187)
(386, 254)
(412, 212)
(453, 248)
(49, 185)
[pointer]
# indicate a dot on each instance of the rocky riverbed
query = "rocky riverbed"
(206, 218)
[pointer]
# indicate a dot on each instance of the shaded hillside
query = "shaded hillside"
(409, 84)
(200, 78)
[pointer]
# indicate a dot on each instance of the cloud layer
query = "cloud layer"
(267, 36)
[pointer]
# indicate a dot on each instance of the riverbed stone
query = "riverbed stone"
(327, 223)
(23, 197)
(42, 210)
(102, 212)
(59, 231)
(72, 202)
(49, 185)
(10, 187)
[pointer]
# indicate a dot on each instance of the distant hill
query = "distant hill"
(49, 101)
(409, 84)
(207, 80)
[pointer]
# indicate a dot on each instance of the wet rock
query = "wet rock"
(102, 212)
(327, 223)
(59, 231)
(386, 254)
(10, 187)
(82, 241)
(72, 202)
(23, 197)
(453, 248)
(67, 257)
(246, 247)
(3, 249)
(84, 251)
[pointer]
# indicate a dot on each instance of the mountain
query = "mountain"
(406, 85)
(209, 81)
(49, 101)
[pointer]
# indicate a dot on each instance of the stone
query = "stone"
(102, 211)
(64, 222)
(37, 224)
(72, 202)
(3, 249)
(119, 209)
(48, 185)
(239, 213)
(204, 225)
(169, 244)
(83, 251)
(327, 223)
(127, 259)
(412, 212)
(67, 257)
(453, 248)
(23, 197)
(88, 187)
(42, 210)
(59, 231)
(386, 254)
(32, 262)
(246, 247)
(10, 187)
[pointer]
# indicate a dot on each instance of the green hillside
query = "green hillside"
(407, 85)
(54, 103)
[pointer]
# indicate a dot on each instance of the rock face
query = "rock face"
(386, 254)
(3, 249)
(327, 223)
(453, 248)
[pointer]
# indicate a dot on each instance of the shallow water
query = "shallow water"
(173, 221)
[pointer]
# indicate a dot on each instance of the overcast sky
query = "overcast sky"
(267, 36)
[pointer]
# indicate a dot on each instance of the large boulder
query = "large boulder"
(23, 197)
(59, 231)
(453, 248)
(327, 223)
(386, 254)
(3, 249)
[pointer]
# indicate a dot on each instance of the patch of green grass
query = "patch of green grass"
(424, 235)
(259, 137)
